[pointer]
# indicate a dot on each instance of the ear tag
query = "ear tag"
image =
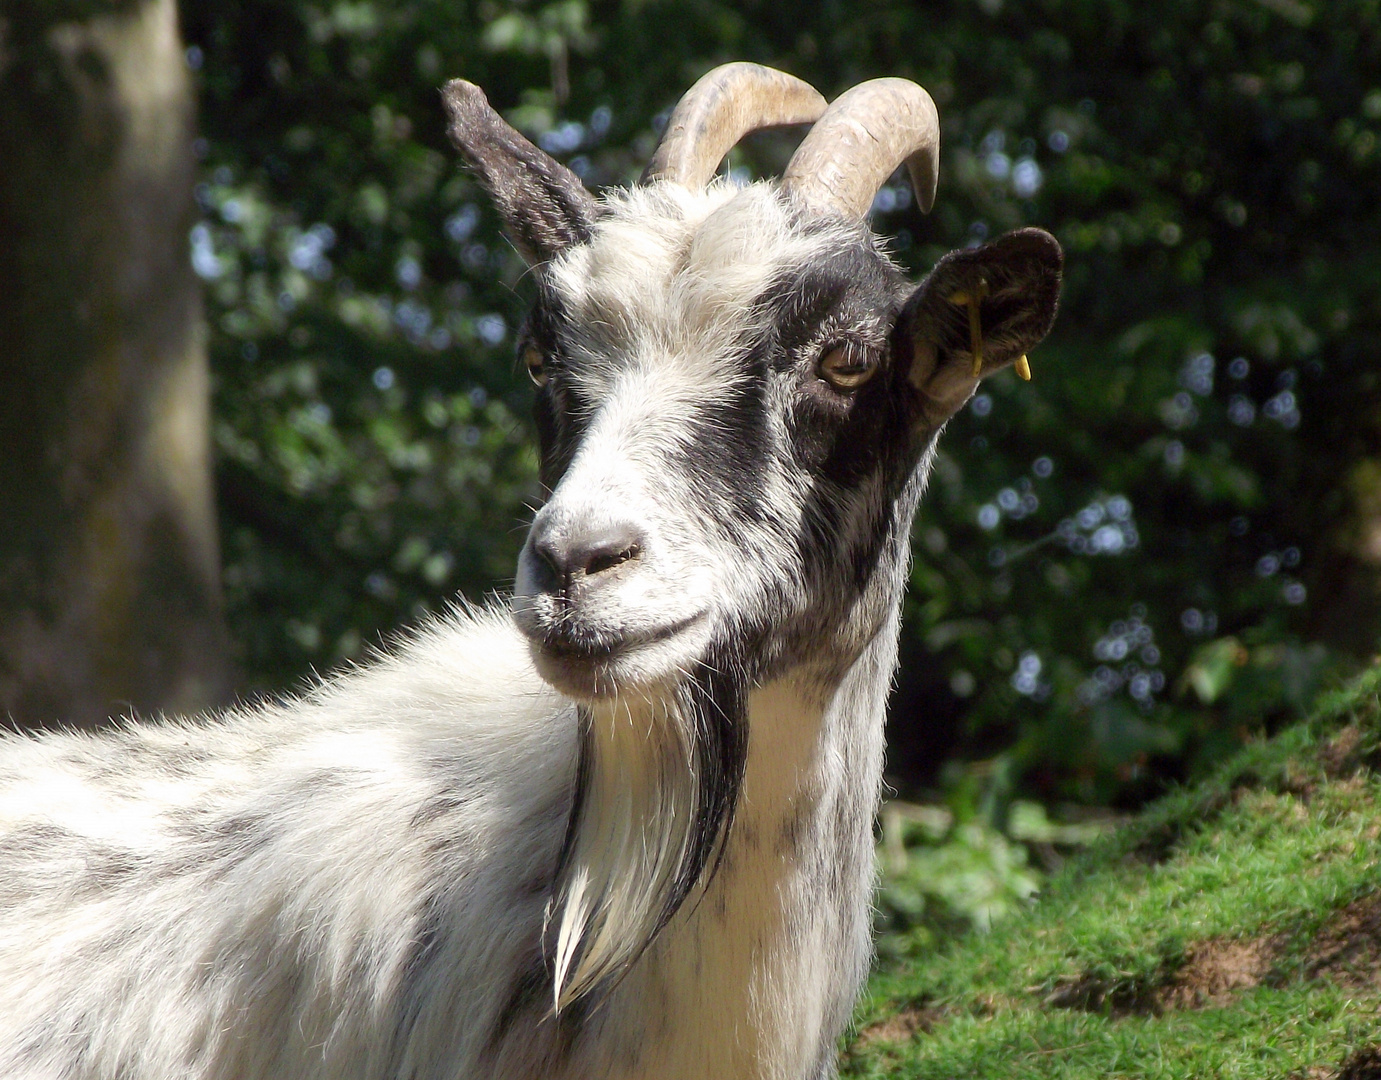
(974, 301)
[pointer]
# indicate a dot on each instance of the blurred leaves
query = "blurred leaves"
(966, 866)
(1210, 671)
(1192, 465)
(553, 31)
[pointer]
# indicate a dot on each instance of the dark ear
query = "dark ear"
(980, 310)
(543, 204)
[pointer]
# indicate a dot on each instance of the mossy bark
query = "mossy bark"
(109, 568)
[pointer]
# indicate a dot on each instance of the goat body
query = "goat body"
(620, 829)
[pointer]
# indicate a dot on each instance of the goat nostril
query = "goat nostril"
(554, 570)
(562, 561)
(602, 550)
(600, 561)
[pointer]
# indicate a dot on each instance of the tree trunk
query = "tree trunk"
(109, 568)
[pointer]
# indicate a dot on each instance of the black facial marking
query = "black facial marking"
(558, 414)
(847, 301)
(730, 442)
(849, 443)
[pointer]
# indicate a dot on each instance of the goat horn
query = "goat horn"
(722, 107)
(863, 136)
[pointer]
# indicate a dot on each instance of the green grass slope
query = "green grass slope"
(1232, 930)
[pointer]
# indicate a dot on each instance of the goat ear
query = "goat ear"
(544, 205)
(980, 310)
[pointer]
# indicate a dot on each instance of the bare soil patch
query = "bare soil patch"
(1213, 972)
(1089, 993)
(1348, 948)
(1363, 1064)
(1346, 951)
(901, 1027)
(1216, 970)
(1342, 755)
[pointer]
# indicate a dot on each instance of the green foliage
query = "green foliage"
(968, 864)
(938, 875)
(1229, 930)
(1188, 479)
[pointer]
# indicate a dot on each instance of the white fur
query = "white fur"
(289, 961)
(356, 883)
(284, 960)
(638, 813)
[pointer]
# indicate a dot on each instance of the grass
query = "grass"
(1232, 930)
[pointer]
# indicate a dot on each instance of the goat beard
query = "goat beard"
(656, 789)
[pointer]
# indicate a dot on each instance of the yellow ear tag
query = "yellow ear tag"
(1023, 368)
(974, 301)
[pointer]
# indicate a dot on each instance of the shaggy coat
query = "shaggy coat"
(620, 828)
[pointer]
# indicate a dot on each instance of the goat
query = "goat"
(622, 826)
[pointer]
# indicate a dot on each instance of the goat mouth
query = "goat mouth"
(575, 642)
(592, 662)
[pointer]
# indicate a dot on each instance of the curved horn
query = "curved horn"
(722, 107)
(864, 135)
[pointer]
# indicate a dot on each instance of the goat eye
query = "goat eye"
(535, 364)
(847, 369)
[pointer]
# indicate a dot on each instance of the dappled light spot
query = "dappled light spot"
(1103, 527)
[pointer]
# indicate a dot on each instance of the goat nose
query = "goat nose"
(570, 557)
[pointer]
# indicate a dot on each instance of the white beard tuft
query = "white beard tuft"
(639, 800)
